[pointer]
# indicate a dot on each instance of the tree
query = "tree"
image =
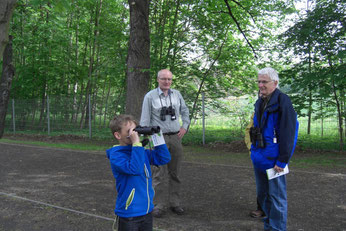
(138, 59)
(6, 9)
(70, 49)
(67, 48)
(318, 40)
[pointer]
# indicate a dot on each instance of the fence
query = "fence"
(57, 115)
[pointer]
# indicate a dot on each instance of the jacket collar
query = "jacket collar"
(274, 100)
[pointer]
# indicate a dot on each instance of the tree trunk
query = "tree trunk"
(138, 59)
(310, 94)
(343, 110)
(338, 107)
(5, 83)
(106, 107)
(79, 103)
(43, 105)
(92, 58)
(75, 85)
(341, 139)
(309, 113)
(85, 108)
(322, 117)
(173, 28)
(6, 10)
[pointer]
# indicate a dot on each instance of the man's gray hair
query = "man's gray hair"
(273, 74)
(163, 70)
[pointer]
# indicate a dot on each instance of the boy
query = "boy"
(130, 165)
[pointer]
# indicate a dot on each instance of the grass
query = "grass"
(212, 154)
(195, 136)
(325, 159)
(313, 141)
(73, 146)
(213, 134)
(216, 134)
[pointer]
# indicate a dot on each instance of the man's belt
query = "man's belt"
(170, 133)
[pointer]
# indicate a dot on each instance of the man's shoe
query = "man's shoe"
(257, 214)
(177, 210)
(157, 212)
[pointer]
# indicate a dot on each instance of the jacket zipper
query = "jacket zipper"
(147, 179)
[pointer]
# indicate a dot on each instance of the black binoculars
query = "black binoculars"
(167, 111)
(147, 130)
(256, 137)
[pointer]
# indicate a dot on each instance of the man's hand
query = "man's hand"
(181, 132)
(278, 169)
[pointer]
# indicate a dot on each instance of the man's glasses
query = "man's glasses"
(165, 79)
(264, 82)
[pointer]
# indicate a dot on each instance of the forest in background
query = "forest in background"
(79, 48)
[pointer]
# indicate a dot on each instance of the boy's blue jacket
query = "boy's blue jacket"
(279, 127)
(131, 169)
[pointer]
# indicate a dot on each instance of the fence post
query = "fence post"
(203, 118)
(13, 118)
(89, 117)
(48, 116)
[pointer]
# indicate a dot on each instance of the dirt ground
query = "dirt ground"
(55, 189)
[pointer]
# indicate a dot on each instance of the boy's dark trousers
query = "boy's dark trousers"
(141, 223)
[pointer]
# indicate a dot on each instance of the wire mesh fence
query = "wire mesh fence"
(58, 115)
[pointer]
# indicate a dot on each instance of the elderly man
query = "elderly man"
(162, 107)
(273, 138)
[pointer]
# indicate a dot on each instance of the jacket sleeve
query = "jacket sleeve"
(159, 155)
(288, 118)
(184, 111)
(146, 111)
(132, 165)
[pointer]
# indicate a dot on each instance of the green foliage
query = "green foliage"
(317, 81)
(78, 48)
(75, 48)
(54, 43)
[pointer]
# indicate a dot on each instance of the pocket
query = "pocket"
(271, 151)
(130, 198)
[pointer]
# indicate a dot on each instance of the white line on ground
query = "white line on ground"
(55, 206)
(62, 208)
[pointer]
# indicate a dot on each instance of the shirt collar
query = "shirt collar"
(161, 92)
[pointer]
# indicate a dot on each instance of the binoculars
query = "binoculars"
(147, 130)
(256, 137)
(167, 111)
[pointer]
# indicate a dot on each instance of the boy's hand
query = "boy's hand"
(133, 135)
